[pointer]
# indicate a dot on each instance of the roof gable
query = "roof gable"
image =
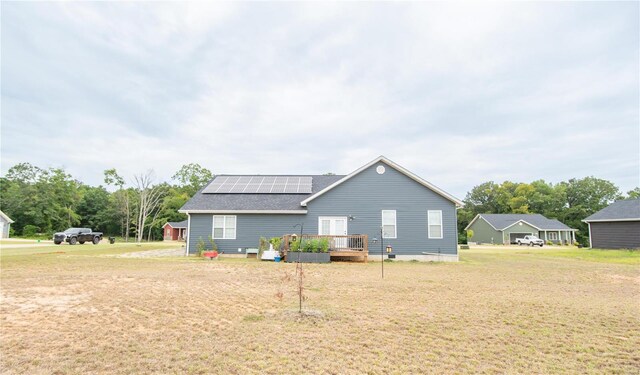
(6, 218)
(391, 164)
(623, 210)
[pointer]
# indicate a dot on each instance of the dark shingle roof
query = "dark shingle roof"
(501, 221)
(178, 224)
(621, 210)
(259, 202)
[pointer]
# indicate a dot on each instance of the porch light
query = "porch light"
(374, 240)
(389, 249)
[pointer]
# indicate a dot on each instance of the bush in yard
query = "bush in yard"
(214, 245)
(30, 230)
(276, 242)
(200, 246)
(462, 238)
(262, 246)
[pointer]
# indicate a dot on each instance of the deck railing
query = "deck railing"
(353, 242)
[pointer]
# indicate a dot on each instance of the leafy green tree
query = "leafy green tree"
(121, 201)
(192, 177)
(592, 193)
(484, 198)
(46, 199)
(95, 212)
(634, 194)
(584, 197)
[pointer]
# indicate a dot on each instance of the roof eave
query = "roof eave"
(606, 220)
(6, 218)
(264, 212)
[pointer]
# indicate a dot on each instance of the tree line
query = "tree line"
(49, 200)
(44, 201)
(568, 201)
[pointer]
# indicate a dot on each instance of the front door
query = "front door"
(334, 226)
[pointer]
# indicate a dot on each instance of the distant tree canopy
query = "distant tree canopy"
(192, 177)
(570, 201)
(51, 200)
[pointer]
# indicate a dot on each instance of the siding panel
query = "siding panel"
(249, 229)
(616, 235)
(484, 233)
(364, 197)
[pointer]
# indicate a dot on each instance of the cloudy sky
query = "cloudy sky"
(457, 93)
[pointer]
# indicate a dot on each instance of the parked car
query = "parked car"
(77, 235)
(530, 240)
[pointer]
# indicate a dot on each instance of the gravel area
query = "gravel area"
(153, 253)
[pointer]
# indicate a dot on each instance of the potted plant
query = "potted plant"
(324, 245)
(295, 246)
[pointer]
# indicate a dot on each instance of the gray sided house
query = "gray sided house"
(505, 228)
(616, 226)
(5, 224)
(417, 217)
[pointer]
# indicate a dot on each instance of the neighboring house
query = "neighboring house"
(616, 226)
(417, 217)
(175, 230)
(505, 228)
(5, 223)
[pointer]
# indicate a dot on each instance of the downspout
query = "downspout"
(188, 234)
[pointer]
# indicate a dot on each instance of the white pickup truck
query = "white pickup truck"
(530, 240)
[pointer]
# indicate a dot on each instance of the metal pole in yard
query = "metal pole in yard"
(382, 250)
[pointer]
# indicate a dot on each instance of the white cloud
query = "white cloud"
(459, 93)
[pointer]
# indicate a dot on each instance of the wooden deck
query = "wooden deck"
(354, 246)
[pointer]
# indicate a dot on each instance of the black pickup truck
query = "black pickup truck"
(77, 235)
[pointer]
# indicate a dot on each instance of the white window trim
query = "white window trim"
(553, 234)
(224, 227)
(395, 223)
(441, 225)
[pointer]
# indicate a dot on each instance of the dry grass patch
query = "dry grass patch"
(494, 312)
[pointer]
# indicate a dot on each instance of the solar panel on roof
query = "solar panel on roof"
(260, 185)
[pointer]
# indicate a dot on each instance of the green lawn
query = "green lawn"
(630, 257)
(86, 309)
